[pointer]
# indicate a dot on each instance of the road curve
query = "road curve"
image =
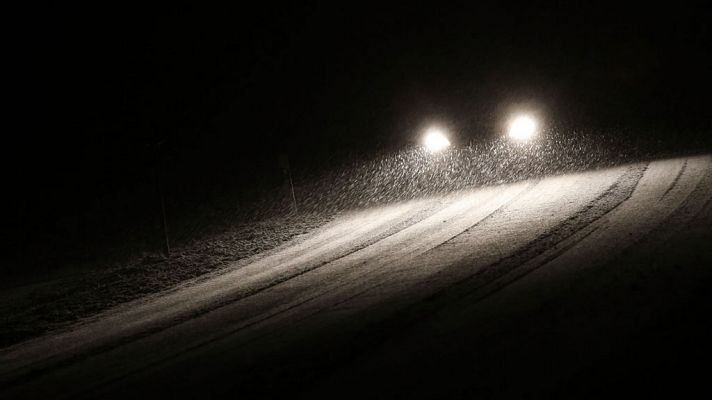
(493, 277)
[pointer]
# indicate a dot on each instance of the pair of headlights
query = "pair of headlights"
(521, 129)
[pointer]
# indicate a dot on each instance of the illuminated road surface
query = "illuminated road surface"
(504, 290)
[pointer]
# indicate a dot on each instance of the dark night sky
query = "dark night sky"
(332, 74)
(98, 84)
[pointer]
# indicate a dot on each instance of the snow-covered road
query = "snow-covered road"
(379, 291)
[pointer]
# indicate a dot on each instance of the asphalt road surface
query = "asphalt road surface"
(585, 285)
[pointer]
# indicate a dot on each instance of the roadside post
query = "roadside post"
(287, 175)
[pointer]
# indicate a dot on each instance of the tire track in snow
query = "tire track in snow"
(676, 180)
(488, 279)
(478, 284)
(401, 257)
(571, 232)
(376, 278)
(314, 301)
(629, 178)
(491, 201)
(508, 229)
(553, 277)
(608, 200)
(49, 358)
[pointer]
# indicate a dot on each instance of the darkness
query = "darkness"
(103, 93)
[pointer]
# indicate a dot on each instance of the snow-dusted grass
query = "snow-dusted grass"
(32, 310)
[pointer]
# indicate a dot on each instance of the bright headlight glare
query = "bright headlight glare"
(522, 128)
(435, 140)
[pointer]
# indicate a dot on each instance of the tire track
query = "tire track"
(695, 203)
(676, 180)
(421, 214)
(376, 335)
(453, 251)
(315, 298)
(489, 280)
(285, 310)
(486, 281)
(34, 373)
(377, 278)
(571, 231)
(377, 285)
(508, 334)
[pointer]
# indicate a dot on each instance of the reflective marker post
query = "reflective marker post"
(287, 173)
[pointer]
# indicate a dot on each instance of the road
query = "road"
(567, 285)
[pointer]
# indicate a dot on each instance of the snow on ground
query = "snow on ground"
(365, 268)
(56, 301)
(31, 310)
